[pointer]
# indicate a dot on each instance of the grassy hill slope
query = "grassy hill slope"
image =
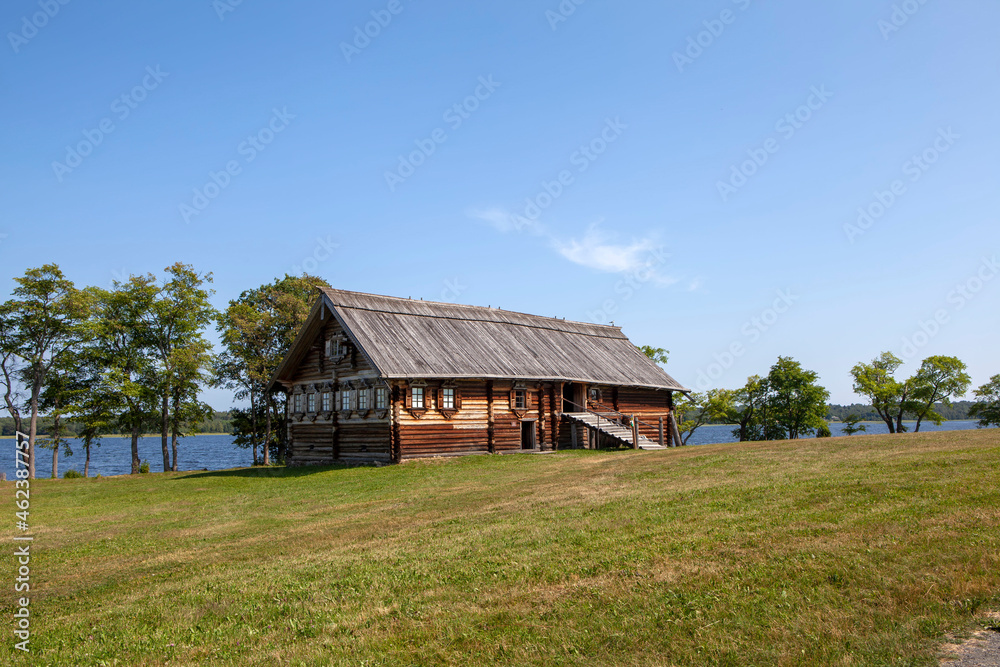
(845, 551)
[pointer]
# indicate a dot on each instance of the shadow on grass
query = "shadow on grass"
(272, 471)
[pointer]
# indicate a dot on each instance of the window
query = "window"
(311, 402)
(345, 400)
(326, 401)
(297, 403)
(417, 398)
(520, 399)
(381, 398)
(362, 399)
(448, 398)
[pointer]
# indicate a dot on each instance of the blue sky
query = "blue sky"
(695, 173)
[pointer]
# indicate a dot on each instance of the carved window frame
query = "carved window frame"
(422, 386)
(449, 412)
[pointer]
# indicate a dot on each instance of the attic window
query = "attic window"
(520, 399)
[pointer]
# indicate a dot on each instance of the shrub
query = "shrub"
(144, 468)
(823, 431)
(72, 474)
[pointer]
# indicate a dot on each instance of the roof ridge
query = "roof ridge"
(564, 321)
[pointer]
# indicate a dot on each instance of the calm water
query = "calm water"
(114, 456)
(716, 433)
(217, 452)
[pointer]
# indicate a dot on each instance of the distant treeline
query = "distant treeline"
(221, 422)
(957, 410)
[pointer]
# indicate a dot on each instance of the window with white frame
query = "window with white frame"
(311, 402)
(326, 401)
(362, 399)
(381, 398)
(448, 398)
(520, 399)
(297, 403)
(417, 398)
(345, 399)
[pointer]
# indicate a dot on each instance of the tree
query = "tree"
(698, 409)
(890, 398)
(937, 381)
(11, 366)
(851, 425)
(987, 407)
(657, 354)
(45, 317)
(123, 345)
(257, 331)
(749, 410)
(795, 402)
(177, 319)
(54, 399)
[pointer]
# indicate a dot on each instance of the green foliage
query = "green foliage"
(144, 468)
(851, 425)
(890, 398)
(823, 431)
(657, 354)
(72, 474)
(698, 409)
(787, 404)
(937, 381)
(257, 330)
(987, 407)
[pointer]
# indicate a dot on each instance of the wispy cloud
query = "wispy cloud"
(597, 249)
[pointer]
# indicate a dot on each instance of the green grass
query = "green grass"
(868, 550)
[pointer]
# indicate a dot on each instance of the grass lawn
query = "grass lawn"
(866, 550)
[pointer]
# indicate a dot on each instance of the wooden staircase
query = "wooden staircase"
(612, 429)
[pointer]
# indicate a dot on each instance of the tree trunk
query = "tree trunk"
(175, 437)
(253, 427)
(86, 463)
(136, 432)
(267, 431)
(33, 430)
(55, 460)
(916, 429)
(164, 426)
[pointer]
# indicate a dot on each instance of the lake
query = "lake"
(217, 452)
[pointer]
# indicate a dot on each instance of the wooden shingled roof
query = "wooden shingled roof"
(404, 338)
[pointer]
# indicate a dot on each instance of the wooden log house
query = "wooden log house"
(384, 379)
